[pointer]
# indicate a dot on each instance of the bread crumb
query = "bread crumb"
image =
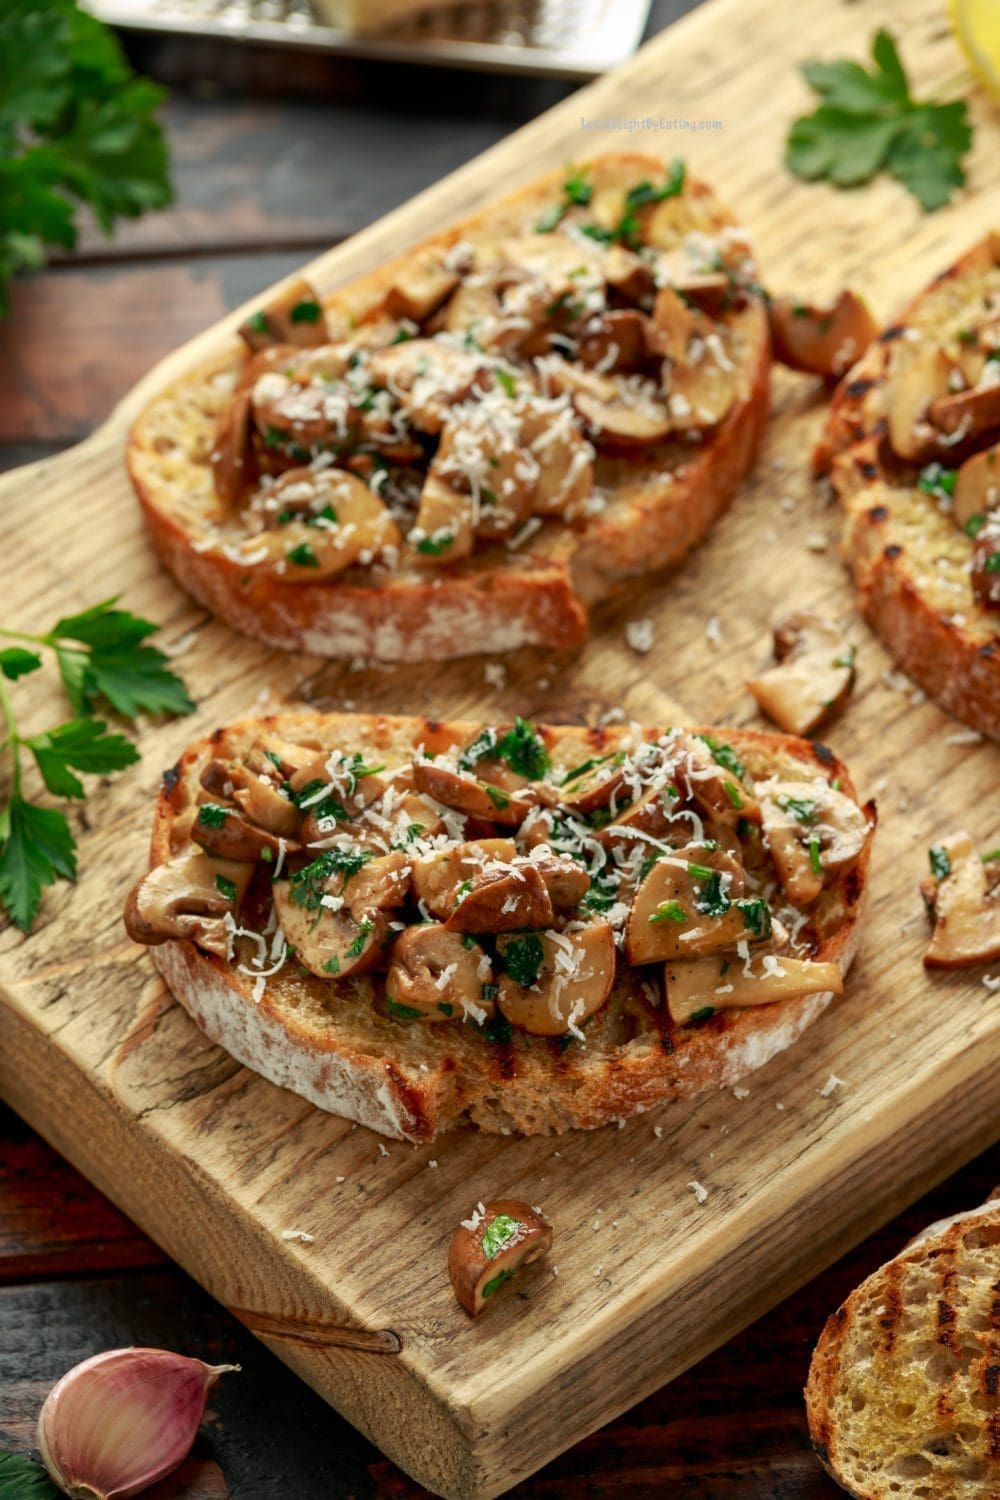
(598, 1270)
(832, 1084)
(340, 1179)
(992, 982)
(298, 1234)
(478, 1215)
(382, 1150)
(432, 1165)
(596, 1225)
(779, 1106)
(700, 1192)
(739, 1092)
(964, 737)
(658, 1132)
(788, 502)
(713, 632)
(495, 674)
(555, 1270)
(640, 635)
(817, 541)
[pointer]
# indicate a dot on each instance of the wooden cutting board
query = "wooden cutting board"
(215, 1163)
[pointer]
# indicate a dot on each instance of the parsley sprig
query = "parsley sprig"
(869, 122)
(76, 126)
(102, 656)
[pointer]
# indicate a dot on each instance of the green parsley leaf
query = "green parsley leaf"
(115, 664)
(302, 556)
(712, 899)
(257, 321)
(506, 379)
(83, 744)
(868, 121)
(332, 966)
(307, 311)
(523, 958)
(36, 849)
(669, 911)
(724, 755)
(15, 662)
(576, 188)
(940, 862)
(936, 480)
(436, 543)
(495, 1282)
(975, 524)
(815, 863)
(523, 751)
(702, 1014)
(498, 1234)
(756, 915)
(497, 1030)
(993, 854)
(329, 806)
(308, 884)
(364, 931)
(212, 814)
(21, 1478)
(225, 887)
(401, 1012)
(800, 807)
(499, 798)
(992, 563)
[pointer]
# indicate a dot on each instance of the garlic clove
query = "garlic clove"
(118, 1422)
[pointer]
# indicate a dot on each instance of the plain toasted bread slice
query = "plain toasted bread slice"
(333, 1043)
(655, 500)
(909, 558)
(902, 1393)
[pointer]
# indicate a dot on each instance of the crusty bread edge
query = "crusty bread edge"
(373, 1092)
(543, 605)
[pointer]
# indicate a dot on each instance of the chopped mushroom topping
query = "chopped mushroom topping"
(963, 899)
(232, 460)
(810, 829)
(814, 676)
(822, 341)
(419, 288)
(617, 413)
(435, 975)
(691, 903)
(294, 316)
(324, 520)
(922, 381)
(438, 878)
(188, 897)
(504, 1236)
(553, 981)
(335, 911)
(507, 899)
(698, 987)
(462, 790)
(977, 490)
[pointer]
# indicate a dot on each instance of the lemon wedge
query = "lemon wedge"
(976, 24)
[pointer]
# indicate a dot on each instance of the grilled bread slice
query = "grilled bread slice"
(911, 444)
(417, 924)
(902, 1393)
(464, 448)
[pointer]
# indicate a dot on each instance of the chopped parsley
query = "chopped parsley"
(576, 190)
(489, 992)
(496, 1281)
(306, 312)
(302, 556)
(506, 379)
(702, 1014)
(499, 798)
(211, 815)
(332, 966)
(669, 911)
(496, 1030)
(523, 958)
(327, 807)
(498, 1234)
(732, 793)
(756, 915)
(523, 751)
(225, 887)
(700, 872)
(938, 481)
(602, 895)
(308, 883)
(257, 321)
(365, 927)
(434, 545)
(815, 863)
(802, 809)
(992, 563)
(975, 524)
(403, 1012)
(712, 899)
(724, 755)
(993, 854)
(940, 862)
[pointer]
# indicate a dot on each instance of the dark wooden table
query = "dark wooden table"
(276, 157)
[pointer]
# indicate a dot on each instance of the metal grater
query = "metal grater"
(560, 38)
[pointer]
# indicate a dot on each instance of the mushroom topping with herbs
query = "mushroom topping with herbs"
(985, 570)
(326, 520)
(553, 981)
(618, 412)
(437, 975)
(506, 899)
(264, 803)
(823, 341)
(814, 675)
(976, 490)
(489, 1247)
(691, 903)
(464, 792)
(232, 457)
(713, 775)
(963, 899)
(810, 828)
(188, 897)
(429, 378)
(926, 378)
(232, 834)
(439, 878)
(335, 911)
(294, 316)
(697, 988)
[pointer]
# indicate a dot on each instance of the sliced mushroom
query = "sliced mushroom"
(429, 377)
(478, 799)
(697, 987)
(922, 381)
(566, 881)
(337, 931)
(966, 908)
(445, 524)
(810, 828)
(814, 675)
(256, 795)
(692, 903)
(551, 435)
(563, 264)
(628, 273)
(651, 813)
(709, 286)
(554, 981)
(419, 288)
(709, 774)
(232, 460)
(703, 391)
(231, 834)
(614, 341)
(438, 975)
(347, 524)
(188, 897)
(503, 900)
(270, 754)
(480, 455)
(294, 316)
(822, 341)
(967, 414)
(985, 574)
(593, 784)
(438, 877)
(977, 490)
(507, 1234)
(673, 325)
(617, 414)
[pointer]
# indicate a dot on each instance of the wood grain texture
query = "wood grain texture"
(214, 1163)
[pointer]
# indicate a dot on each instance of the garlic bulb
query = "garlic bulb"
(118, 1422)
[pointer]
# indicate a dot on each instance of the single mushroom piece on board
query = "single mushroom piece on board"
(294, 316)
(487, 1248)
(553, 981)
(188, 897)
(822, 341)
(814, 675)
(435, 975)
(697, 987)
(964, 900)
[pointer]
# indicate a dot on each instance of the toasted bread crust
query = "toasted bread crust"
(908, 560)
(663, 501)
(904, 1371)
(411, 1081)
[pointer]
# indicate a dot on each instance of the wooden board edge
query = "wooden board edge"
(467, 1449)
